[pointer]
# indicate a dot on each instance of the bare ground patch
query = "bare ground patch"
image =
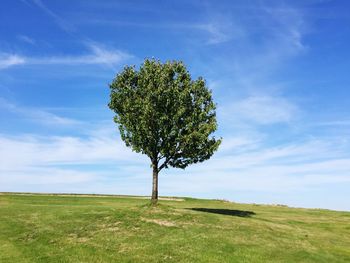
(160, 222)
(74, 238)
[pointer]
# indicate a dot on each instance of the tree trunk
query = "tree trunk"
(154, 199)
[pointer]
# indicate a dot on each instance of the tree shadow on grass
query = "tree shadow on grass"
(229, 212)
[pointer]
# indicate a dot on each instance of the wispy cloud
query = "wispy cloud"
(289, 25)
(40, 151)
(43, 176)
(260, 110)
(98, 55)
(268, 38)
(333, 123)
(239, 143)
(57, 19)
(217, 32)
(26, 39)
(37, 115)
(10, 60)
(31, 161)
(271, 38)
(285, 169)
(70, 161)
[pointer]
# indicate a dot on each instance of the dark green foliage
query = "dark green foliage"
(163, 113)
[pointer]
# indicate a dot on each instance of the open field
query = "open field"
(50, 228)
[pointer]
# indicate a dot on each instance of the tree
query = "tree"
(163, 113)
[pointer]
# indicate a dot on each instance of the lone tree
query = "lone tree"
(163, 113)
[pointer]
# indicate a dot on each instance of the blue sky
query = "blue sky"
(278, 71)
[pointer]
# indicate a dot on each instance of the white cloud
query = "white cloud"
(37, 151)
(265, 43)
(65, 164)
(215, 29)
(18, 153)
(238, 143)
(261, 110)
(45, 176)
(57, 19)
(290, 25)
(218, 32)
(10, 60)
(333, 123)
(98, 55)
(26, 39)
(292, 154)
(276, 171)
(37, 115)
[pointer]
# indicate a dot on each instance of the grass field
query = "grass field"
(56, 228)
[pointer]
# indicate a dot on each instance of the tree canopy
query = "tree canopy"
(163, 113)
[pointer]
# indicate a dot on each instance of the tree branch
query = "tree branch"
(163, 164)
(160, 157)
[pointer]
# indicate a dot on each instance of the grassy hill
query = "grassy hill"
(58, 228)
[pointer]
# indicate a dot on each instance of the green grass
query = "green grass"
(53, 228)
